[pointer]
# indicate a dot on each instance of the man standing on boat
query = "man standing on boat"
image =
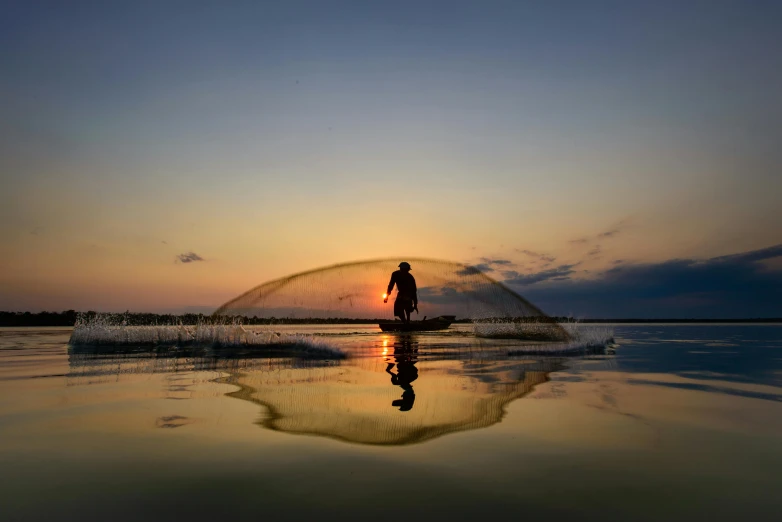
(407, 293)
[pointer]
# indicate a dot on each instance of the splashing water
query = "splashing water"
(584, 339)
(524, 331)
(108, 330)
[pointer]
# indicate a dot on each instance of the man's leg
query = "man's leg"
(400, 309)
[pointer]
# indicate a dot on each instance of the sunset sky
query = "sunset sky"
(617, 158)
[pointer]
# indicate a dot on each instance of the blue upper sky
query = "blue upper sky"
(271, 137)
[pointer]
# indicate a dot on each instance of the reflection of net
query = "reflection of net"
(354, 290)
(355, 402)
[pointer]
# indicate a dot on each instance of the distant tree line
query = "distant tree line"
(69, 318)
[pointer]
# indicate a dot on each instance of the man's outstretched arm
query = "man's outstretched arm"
(390, 287)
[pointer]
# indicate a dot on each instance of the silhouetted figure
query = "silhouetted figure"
(405, 355)
(407, 293)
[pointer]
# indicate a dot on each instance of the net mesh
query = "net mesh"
(355, 290)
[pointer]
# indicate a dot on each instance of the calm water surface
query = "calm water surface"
(681, 423)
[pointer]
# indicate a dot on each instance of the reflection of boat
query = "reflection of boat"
(437, 323)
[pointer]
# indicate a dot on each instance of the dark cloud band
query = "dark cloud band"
(734, 286)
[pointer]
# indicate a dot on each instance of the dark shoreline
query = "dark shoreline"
(69, 318)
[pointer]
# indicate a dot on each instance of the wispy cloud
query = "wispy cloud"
(468, 270)
(595, 252)
(559, 273)
(490, 261)
(608, 234)
(487, 265)
(751, 256)
(188, 257)
(475, 269)
(537, 255)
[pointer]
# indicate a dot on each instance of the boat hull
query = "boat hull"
(427, 325)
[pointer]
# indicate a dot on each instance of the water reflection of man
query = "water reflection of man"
(405, 357)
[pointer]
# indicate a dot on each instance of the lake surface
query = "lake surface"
(682, 422)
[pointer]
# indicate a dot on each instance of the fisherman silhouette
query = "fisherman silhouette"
(405, 356)
(407, 293)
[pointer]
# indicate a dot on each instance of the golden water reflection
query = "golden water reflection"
(403, 394)
(398, 398)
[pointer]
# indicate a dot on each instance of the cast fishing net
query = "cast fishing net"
(355, 291)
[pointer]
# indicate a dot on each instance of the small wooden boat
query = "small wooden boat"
(426, 325)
